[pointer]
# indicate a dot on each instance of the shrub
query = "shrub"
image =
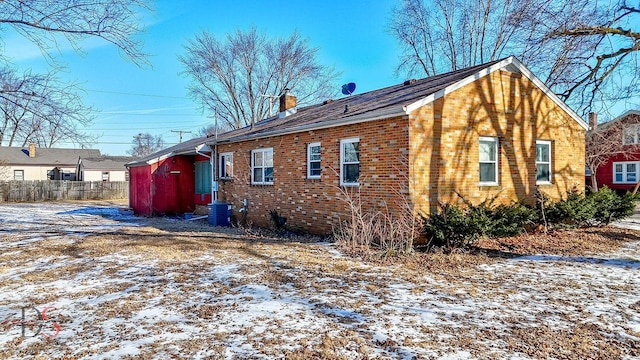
(574, 210)
(510, 220)
(453, 228)
(610, 206)
(450, 229)
(381, 233)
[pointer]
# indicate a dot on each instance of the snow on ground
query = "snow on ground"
(123, 290)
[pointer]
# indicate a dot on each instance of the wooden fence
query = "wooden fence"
(47, 190)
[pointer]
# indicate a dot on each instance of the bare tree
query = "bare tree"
(231, 76)
(43, 22)
(42, 108)
(37, 108)
(145, 144)
(586, 51)
(212, 130)
(444, 35)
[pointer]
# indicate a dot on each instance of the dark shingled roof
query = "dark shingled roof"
(45, 156)
(112, 163)
(376, 101)
(377, 104)
(187, 147)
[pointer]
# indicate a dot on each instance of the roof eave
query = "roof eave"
(356, 119)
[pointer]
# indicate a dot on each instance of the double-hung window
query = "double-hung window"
(226, 165)
(625, 172)
(488, 158)
(262, 166)
(350, 161)
(543, 162)
(18, 175)
(313, 161)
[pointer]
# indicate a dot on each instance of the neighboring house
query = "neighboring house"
(621, 171)
(489, 131)
(171, 181)
(103, 168)
(33, 163)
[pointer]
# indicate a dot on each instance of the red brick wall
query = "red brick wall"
(315, 205)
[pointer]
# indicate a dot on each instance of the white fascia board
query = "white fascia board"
(150, 161)
(513, 64)
(356, 119)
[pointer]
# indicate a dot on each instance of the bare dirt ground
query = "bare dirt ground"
(118, 286)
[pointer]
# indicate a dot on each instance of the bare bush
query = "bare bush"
(383, 233)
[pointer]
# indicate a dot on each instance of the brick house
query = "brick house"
(621, 171)
(489, 131)
(493, 130)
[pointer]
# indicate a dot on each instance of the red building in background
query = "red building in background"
(621, 171)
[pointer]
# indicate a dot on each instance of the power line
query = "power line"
(137, 94)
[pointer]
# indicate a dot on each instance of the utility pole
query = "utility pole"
(181, 132)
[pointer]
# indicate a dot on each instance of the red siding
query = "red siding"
(604, 175)
(164, 188)
(139, 190)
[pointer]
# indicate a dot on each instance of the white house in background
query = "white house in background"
(103, 168)
(31, 163)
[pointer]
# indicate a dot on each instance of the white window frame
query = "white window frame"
(108, 176)
(625, 172)
(18, 172)
(634, 131)
(263, 166)
(310, 160)
(549, 163)
(222, 159)
(343, 142)
(496, 162)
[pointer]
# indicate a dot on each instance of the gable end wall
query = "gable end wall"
(444, 143)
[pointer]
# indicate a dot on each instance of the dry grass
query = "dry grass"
(301, 270)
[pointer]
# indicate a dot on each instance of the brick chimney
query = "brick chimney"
(32, 150)
(287, 104)
(593, 120)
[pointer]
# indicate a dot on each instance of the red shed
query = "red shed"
(171, 181)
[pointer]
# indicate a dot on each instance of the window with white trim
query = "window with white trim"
(631, 135)
(313, 161)
(625, 172)
(226, 165)
(543, 161)
(105, 176)
(488, 159)
(18, 175)
(262, 166)
(350, 161)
